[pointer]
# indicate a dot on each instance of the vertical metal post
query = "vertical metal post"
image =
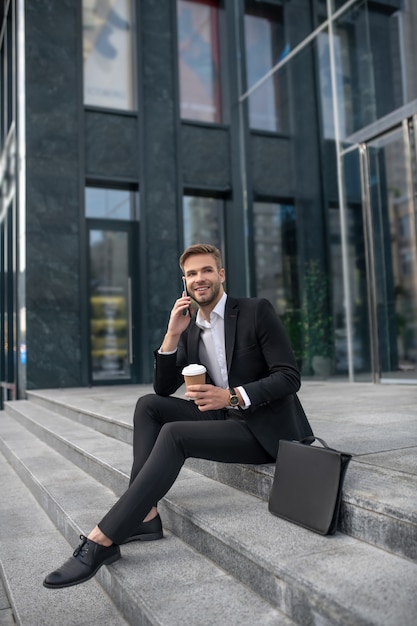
(410, 140)
(342, 204)
(21, 198)
(370, 264)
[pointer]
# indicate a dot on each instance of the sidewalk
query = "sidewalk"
(361, 418)
(6, 614)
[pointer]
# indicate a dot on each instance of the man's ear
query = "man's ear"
(222, 274)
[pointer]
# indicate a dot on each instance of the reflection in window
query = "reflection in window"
(357, 288)
(111, 204)
(354, 71)
(404, 228)
(265, 47)
(406, 259)
(276, 265)
(109, 301)
(375, 51)
(343, 87)
(108, 53)
(337, 4)
(199, 60)
(203, 221)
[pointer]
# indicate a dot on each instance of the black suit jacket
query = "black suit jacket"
(259, 357)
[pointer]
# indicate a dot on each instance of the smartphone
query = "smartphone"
(184, 289)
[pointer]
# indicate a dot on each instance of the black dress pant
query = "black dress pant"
(167, 431)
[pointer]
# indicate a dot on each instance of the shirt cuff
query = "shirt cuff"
(171, 352)
(245, 398)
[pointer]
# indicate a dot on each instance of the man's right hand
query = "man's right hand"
(177, 324)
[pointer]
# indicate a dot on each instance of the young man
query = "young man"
(247, 405)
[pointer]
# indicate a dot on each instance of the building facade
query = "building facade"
(283, 131)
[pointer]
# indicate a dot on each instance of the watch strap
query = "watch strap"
(233, 394)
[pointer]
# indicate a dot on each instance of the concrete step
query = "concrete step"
(314, 579)
(379, 502)
(379, 505)
(157, 583)
(29, 544)
(311, 579)
(101, 412)
(105, 458)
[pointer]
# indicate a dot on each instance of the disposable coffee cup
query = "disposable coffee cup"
(194, 374)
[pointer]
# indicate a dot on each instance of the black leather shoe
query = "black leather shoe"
(83, 565)
(146, 531)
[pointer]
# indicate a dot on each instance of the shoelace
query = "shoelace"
(81, 548)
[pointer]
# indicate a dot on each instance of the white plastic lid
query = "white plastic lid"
(193, 370)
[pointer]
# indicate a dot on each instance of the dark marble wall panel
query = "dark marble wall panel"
(53, 203)
(52, 347)
(52, 193)
(52, 275)
(306, 152)
(271, 166)
(52, 82)
(158, 173)
(205, 156)
(111, 145)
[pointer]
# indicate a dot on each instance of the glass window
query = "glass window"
(391, 199)
(203, 221)
(276, 264)
(406, 257)
(108, 54)
(374, 47)
(199, 60)
(10, 68)
(404, 227)
(111, 204)
(265, 47)
(337, 4)
(275, 245)
(2, 96)
(325, 86)
(109, 299)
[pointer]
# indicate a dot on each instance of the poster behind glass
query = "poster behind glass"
(108, 54)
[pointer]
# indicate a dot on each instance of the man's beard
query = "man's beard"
(210, 299)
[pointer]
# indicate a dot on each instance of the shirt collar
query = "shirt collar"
(218, 310)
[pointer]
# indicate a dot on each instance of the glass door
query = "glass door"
(111, 303)
(391, 165)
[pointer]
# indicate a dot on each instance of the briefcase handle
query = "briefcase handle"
(311, 438)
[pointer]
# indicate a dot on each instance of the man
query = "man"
(247, 405)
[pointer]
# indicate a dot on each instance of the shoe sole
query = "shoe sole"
(108, 561)
(143, 537)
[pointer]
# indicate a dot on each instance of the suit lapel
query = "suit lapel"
(231, 313)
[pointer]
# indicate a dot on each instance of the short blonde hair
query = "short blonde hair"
(201, 248)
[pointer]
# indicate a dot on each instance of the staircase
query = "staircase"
(224, 558)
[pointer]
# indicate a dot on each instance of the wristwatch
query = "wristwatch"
(234, 399)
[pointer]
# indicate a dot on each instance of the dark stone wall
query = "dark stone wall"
(205, 156)
(271, 166)
(111, 145)
(159, 180)
(306, 150)
(52, 194)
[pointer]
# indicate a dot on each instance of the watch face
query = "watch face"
(234, 400)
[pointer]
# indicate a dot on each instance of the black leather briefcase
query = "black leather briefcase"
(308, 482)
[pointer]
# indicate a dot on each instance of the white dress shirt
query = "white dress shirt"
(212, 350)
